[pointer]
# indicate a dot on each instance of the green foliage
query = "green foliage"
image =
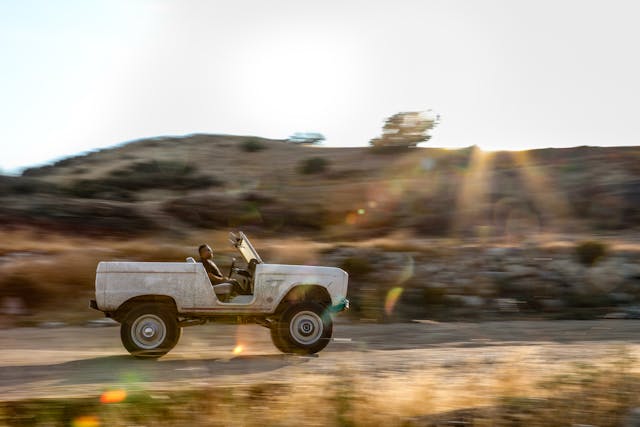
(406, 129)
(251, 145)
(313, 165)
(590, 252)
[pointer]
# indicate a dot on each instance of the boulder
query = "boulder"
(467, 300)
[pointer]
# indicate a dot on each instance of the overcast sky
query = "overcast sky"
(503, 74)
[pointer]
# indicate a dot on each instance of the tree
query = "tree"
(406, 129)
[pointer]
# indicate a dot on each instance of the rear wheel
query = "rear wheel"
(150, 330)
(303, 328)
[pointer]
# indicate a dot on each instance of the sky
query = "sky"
(78, 75)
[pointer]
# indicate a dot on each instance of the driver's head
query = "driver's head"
(205, 251)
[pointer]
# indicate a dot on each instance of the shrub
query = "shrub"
(589, 252)
(20, 185)
(24, 288)
(139, 176)
(356, 266)
(314, 165)
(253, 144)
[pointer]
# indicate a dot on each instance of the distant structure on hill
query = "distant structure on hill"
(306, 138)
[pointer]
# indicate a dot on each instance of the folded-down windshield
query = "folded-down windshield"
(245, 247)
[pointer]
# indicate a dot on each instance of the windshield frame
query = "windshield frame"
(244, 246)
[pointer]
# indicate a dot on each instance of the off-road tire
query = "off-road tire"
(150, 330)
(303, 328)
(277, 339)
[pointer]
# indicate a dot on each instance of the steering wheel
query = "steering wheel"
(233, 264)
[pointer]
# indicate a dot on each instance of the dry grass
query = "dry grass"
(474, 393)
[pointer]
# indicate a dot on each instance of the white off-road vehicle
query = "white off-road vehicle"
(154, 300)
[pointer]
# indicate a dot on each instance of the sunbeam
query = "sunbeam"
(473, 192)
(551, 206)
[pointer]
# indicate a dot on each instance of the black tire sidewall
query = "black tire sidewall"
(284, 333)
(278, 341)
(172, 335)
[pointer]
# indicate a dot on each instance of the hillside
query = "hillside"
(221, 182)
(423, 233)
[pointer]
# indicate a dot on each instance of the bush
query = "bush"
(20, 185)
(78, 216)
(590, 252)
(167, 175)
(356, 266)
(251, 145)
(25, 289)
(314, 165)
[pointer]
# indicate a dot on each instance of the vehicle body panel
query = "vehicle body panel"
(188, 285)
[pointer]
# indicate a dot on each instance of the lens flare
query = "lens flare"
(392, 298)
(113, 396)
(85, 421)
(407, 271)
(238, 349)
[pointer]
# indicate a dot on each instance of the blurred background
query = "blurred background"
(465, 161)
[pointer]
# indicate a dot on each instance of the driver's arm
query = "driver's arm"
(213, 271)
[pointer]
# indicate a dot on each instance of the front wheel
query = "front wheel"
(150, 331)
(303, 328)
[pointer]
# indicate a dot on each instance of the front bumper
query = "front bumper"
(341, 306)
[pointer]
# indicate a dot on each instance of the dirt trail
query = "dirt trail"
(75, 361)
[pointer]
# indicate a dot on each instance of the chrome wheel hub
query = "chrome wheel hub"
(148, 331)
(306, 327)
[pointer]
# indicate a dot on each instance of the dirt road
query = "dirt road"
(76, 361)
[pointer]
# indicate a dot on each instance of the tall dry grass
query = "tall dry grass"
(473, 394)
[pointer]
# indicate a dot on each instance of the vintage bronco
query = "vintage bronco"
(154, 300)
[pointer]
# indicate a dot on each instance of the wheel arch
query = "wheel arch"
(304, 292)
(126, 306)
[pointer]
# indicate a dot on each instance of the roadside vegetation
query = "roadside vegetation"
(606, 393)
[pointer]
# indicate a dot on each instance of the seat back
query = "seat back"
(191, 260)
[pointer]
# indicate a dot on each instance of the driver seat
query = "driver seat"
(223, 290)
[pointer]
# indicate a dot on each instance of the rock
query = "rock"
(632, 311)
(630, 271)
(497, 252)
(506, 305)
(632, 419)
(515, 270)
(605, 276)
(468, 300)
(13, 306)
(495, 275)
(552, 304)
(566, 268)
(621, 297)
(616, 315)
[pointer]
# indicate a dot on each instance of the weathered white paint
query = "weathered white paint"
(188, 284)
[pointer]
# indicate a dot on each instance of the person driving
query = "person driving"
(215, 275)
